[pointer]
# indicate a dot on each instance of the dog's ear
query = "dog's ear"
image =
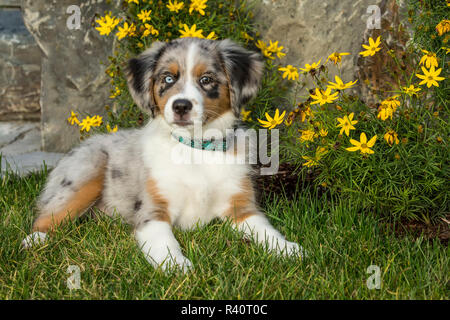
(244, 69)
(140, 76)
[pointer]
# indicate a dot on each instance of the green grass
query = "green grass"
(342, 242)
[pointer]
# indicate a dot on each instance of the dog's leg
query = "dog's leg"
(160, 247)
(154, 235)
(72, 187)
(246, 218)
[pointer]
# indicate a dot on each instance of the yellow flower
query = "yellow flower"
(392, 102)
(290, 72)
(191, 32)
(363, 145)
(106, 24)
(443, 27)
(264, 49)
(385, 111)
(96, 121)
(245, 115)
(307, 135)
(323, 132)
(116, 93)
(388, 107)
(447, 50)
(346, 123)
(247, 37)
(175, 6)
(290, 119)
(212, 36)
(149, 29)
(108, 127)
(313, 66)
(313, 161)
(73, 118)
(275, 49)
(144, 15)
(411, 90)
(323, 97)
(198, 5)
(86, 124)
(391, 136)
(429, 59)
(135, 1)
(336, 57)
(430, 77)
(273, 122)
(372, 48)
(339, 85)
(126, 31)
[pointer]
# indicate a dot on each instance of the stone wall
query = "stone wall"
(311, 30)
(20, 67)
(73, 75)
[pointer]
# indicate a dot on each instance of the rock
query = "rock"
(19, 137)
(73, 76)
(23, 164)
(20, 144)
(20, 69)
(311, 30)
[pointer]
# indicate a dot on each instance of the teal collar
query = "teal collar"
(201, 144)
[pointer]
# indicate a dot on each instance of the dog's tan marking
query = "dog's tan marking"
(242, 204)
(199, 69)
(173, 68)
(214, 108)
(76, 206)
(162, 205)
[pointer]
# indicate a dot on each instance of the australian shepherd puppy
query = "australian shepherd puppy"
(184, 84)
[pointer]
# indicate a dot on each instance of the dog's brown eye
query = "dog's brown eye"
(205, 80)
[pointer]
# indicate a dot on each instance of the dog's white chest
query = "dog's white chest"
(197, 190)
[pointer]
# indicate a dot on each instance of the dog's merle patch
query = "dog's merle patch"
(66, 183)
(116, 173)
(137, 205)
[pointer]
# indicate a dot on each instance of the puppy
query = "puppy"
(185, 84)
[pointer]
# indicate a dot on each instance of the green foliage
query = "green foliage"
(406, 176)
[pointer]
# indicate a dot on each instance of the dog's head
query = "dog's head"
(193, 81)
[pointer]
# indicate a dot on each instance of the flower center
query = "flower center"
(364, 146)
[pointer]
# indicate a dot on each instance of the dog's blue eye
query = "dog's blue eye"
(169, 79)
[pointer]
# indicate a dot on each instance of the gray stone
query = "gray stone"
(19, 137)
(311, 30)
(20, 144)
(23, 164)
(20, 69)
(73, 76)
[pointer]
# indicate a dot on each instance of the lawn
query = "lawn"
(342, 243)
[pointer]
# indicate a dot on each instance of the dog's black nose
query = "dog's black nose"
(182, 106)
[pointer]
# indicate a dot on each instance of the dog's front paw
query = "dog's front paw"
(178, 262)
(36, 238)
(288, 248)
